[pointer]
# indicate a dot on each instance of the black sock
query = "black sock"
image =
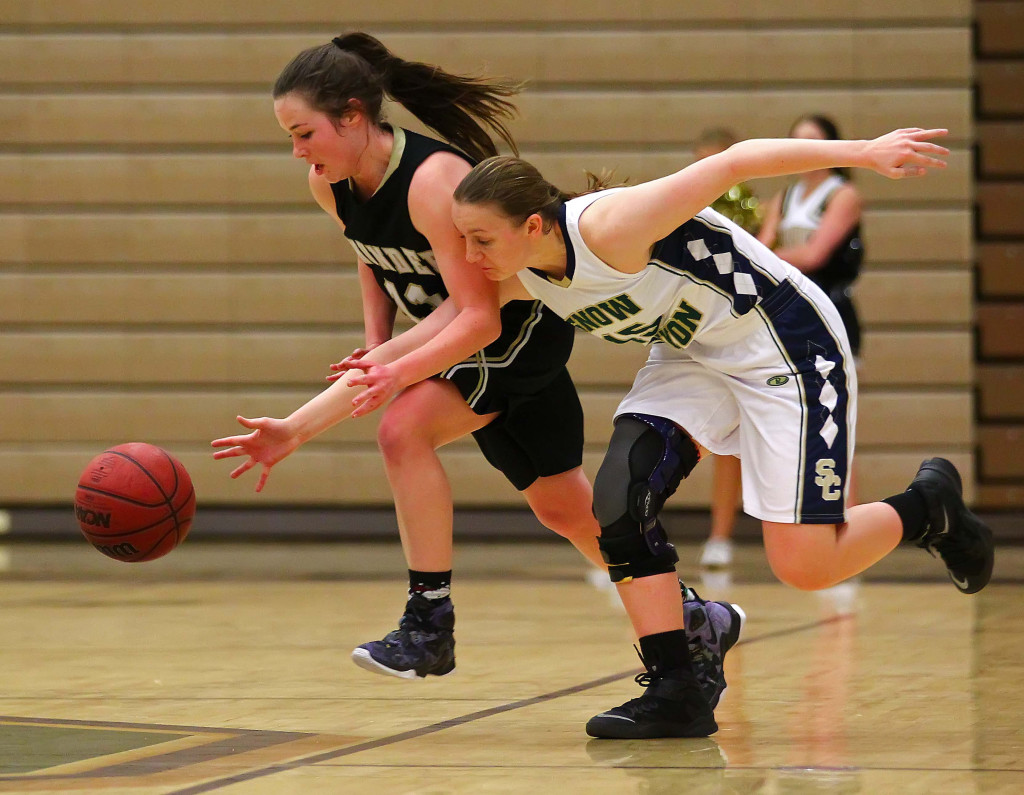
(666, 651)
(430, 584)
(913, 512)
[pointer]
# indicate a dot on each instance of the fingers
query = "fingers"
(231, 441)
(355, 356)
(906, 171)
(243, 468)
(935, 149)
(342, 367)
(263, 478)
(232, 452)
(921, 135)
(365, 403)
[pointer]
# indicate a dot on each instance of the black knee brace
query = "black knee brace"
(647, 459)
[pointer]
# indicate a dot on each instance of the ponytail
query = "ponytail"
(358, 66)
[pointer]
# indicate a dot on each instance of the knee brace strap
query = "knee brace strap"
(679, 456)
(630, 553)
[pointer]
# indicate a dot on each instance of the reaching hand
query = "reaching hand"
(270, 442)
(906, 153)
(348, 363)
(381, 383)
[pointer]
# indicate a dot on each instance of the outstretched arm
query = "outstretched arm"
(271, 439)
(621, 227)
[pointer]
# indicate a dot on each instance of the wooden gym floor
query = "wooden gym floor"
(224, 668)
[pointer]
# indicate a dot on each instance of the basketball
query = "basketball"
(135, 502)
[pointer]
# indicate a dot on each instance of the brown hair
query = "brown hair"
(517, 189)
(356, 66)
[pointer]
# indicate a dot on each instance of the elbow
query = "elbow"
(491, 328)
(484, 325)
(737, 161)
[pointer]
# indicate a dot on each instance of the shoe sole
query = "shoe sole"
(982, 529)
(362, 658)
(730, 639)
(622, 729)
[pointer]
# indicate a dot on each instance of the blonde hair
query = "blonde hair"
(517, 189)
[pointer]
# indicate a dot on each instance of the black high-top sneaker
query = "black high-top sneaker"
(423, 645)
(962, 540)
(671, 706)
(712, 628)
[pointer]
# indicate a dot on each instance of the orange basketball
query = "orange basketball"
(135, 502)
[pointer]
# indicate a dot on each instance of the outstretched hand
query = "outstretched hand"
(269, 442)
(906, 153)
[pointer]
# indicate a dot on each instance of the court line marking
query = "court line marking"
(469, 717)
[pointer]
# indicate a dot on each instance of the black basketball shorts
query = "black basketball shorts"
(523, 376)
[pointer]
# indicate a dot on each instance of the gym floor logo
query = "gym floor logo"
(778, 380)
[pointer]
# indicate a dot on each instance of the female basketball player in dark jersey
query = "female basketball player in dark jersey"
(502, 376)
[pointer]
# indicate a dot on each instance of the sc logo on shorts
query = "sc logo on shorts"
(828, 480)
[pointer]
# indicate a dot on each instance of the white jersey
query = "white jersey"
(700, 280)
(801, 211)
(749, 357)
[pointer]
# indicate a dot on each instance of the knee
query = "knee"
(397, 432)
(569, 521)
(563, 504)
(801, 573)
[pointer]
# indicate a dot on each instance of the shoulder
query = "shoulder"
(434, 182)
(441, 167)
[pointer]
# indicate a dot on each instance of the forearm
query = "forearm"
(378, 308)
(415, 336)
(325, 410)
(774, 157)
(445, 338)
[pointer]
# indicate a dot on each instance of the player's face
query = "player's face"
(332, 149)
(493, 243)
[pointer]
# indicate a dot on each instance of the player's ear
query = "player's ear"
(534, 225)
(353, 110)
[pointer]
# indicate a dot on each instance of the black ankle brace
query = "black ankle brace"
(666, 651)
(430, 584)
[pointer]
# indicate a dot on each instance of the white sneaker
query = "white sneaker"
(717, 553)
(599, 579)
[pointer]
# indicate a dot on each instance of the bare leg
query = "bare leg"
(725, 496)
(653, 604)
(563, 503)
(421, 419)
(811, 557)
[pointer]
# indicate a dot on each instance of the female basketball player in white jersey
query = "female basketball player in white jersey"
(749, 358)
(502, 374)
